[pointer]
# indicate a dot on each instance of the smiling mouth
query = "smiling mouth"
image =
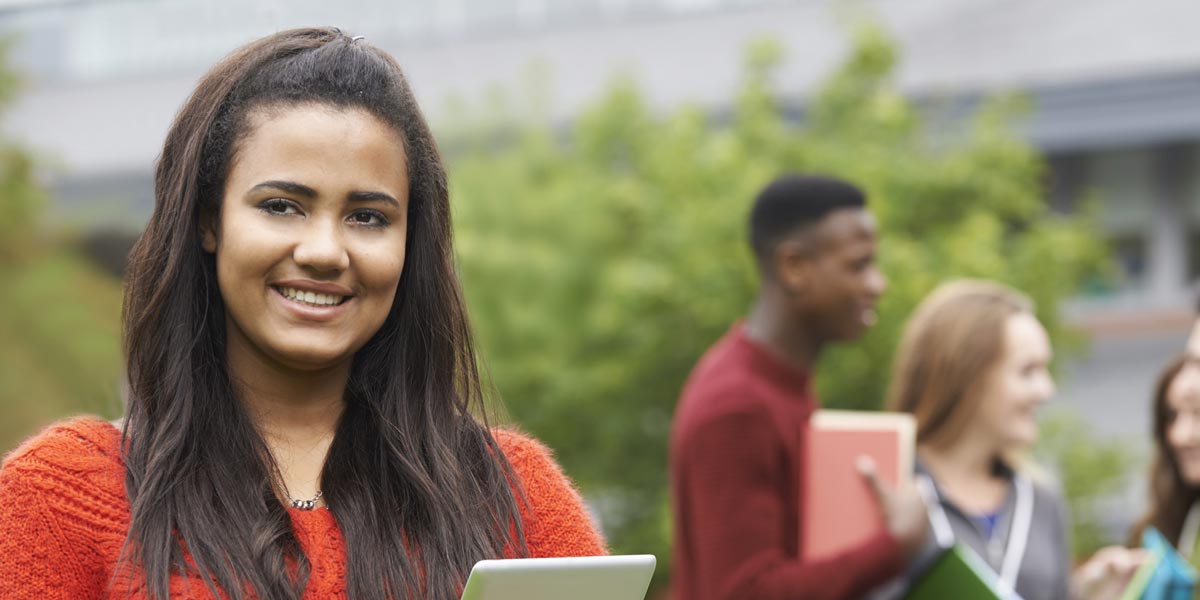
(311, 298)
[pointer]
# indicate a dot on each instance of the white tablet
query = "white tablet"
(576, 578)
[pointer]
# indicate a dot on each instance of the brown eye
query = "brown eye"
(369, 218)
(279, 207)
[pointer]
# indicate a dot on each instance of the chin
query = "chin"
(851, 332)
(1031, 439)
(1023, 440)
(1190, 474)
(311, 359)
(1027, 427)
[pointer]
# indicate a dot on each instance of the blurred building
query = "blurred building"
(1115, 88)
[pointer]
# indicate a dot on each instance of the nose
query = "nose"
(1051, 389)
(321, 247)
(1187, 382)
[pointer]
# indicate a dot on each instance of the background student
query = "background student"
(973, 367)
(736, 441)
(1175, 470)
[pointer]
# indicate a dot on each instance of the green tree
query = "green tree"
(600, 262)
(20, 197)
(1090, 468)
(59, 316)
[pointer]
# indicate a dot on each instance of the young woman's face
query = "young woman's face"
(1019, 384)
(1183, 427)
(310, 239)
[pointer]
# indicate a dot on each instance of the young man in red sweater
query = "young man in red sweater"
(736, 439)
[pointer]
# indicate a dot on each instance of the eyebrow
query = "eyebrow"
(300, 189)
(374, 197)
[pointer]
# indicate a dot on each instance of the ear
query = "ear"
(208, 232)
(793, 266)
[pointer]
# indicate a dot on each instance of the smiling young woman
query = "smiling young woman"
(1174, 483)
(973, 367)
(304, 416)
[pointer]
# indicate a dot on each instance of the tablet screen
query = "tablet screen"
(576, 578)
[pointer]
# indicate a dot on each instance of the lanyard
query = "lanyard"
(1018, 536)
(1187, 537)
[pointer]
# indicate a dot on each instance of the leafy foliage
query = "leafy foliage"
(20, 198)
(59, 343)
(602, 260)
(59, 318)
(1089, 469)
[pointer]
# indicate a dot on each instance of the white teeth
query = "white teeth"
(310, 297)
(869, 317)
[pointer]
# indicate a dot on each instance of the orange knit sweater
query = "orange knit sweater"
(64, 516)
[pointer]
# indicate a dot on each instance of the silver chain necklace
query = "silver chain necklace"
(306, 504)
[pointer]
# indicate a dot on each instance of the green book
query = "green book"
(957, 573)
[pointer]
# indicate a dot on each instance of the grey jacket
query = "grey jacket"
(1045, 570)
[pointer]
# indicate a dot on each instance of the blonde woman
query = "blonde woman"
(973, 367)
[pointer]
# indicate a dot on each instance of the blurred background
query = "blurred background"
(603, 156)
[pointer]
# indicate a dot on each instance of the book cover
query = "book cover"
(839, 510)
(956, 573)
(1165, 576)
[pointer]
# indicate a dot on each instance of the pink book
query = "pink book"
(838, 510)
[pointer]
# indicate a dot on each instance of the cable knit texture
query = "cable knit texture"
(64, 516)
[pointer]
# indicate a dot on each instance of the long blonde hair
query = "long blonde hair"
(951, 344)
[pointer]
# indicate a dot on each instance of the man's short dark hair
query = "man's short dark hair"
(793, 202)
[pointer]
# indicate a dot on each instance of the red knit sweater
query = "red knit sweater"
(64, 516)
(736, 492)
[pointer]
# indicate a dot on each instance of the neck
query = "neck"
(288, 403)
(295, 411)
(771, 325)
(965, 459)
(964, 473)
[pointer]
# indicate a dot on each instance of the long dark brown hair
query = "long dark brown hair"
(419, 486)
(1170, 496)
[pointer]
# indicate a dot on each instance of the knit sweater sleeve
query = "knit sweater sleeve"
(556, 522)
(47, 499)
(737, 521)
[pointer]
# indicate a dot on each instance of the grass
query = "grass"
(59, 343)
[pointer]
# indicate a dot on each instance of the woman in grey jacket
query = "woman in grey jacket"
(973, 367)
